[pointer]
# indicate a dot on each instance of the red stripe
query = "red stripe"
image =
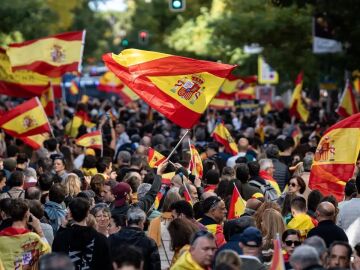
(20, 109)
(30, 142)
(41, 129)
(293, 110)
(110, 89)
(353, 100)
(48, 69)
(350, 122)
(89, 135)
(299, 78)
(225, 143)
(57, 90)
(21, 90)
(50, 108)
(342, 112)
(69, 36)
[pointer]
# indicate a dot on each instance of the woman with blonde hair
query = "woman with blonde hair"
(228, 257)
(258, 216)
(72, 186)
(102, 215)
(272, 224)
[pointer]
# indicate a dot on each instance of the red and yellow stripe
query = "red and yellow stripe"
(347, 104)
(35, 141)
(223, 136)
(91, 140)
(155, 158)
(297, 107)
(47, 100)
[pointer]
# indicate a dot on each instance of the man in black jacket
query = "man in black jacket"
(86, 248)
(134, 235)
(327, 229)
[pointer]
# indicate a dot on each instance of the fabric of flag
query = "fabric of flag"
(74, 89)
(159, 196)
(356, 83)
(35, 141)
(91, 140)
(237, 205)
(22, 83)
(57, 88)
(277, 262)
(80, 118)
(335, 157)
(109, 83)
(166, 178)
(180, 88)
(28, 118)
(127, 95)
(296, 134)
(347, 105)
(187, 196)
(155, 158)
(233, 84)
(52, 56)
(297, 107)
(247, 93)
(195, 165)
(47, 100)
(223, 136)
(222, 101)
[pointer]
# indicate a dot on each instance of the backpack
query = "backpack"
(269, 192)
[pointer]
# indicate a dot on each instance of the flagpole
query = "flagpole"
(172, 152)
(190, 155)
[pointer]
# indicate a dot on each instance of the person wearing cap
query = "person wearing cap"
(250, 243)
(123, 193)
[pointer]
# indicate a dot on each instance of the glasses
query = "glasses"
(289, 243)
(200, 234)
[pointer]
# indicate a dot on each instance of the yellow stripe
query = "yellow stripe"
(209, 88)
(27, 120)
(229, 87)
(132, 57)
(222, 102)
(89, 141)
(41, 51)
(130, 93)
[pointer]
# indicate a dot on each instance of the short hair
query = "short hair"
(318, 243)
(18, 209)
(79, 208)
(237, 226)
(89, 162)
(242, 172)
(183, 207)
(171, 196)
(307, 163)
(46, 164)
(45, 181)
(50, 144)
(301, 183)
(314, 198)
(36, 208)
(100, 207)
(102, 164)
(127, 255)
(210, 202)
(119, 220)
(33, 193)
(288, 232)
(265, 163)
(254, 168)
(57, 193)
(181, 230)
(16, 179)
(305, 256)
(12, 150)
(125, 156)
(22, 158)
(229, 257)
(135, 215)
(350, 188)
(97, 183)
(55, 261)
(201, 234)
(136, 160)
(299, 204)
(5, 205)
(133, 181)
(344, 244)
(212, 177)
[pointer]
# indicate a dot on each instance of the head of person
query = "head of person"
(51, 144)
(267, 165)
(59, 164)
(290, 240)
(260, 211)
(286, 207)
(116, 223)
(350, 190)
(97, 184)
(182, 209)
(191, 189)
(119, 128)
(33, 193)
(254, 168)
(107, 195)
(356, 262)
(104, 165)
(203, 248)
(325, 211)
(297, 185)
(4, 208)
(214, 207)
(227, 173)
(72, 185)
(136, 217)
(2, 179)
(339, 255)
(45, 181)
(102, 214)
(314, 198)
(171, 197)
(272, 151)
(57, 193)
(181, 231)
(19, 210)
(251, 241)
(271, 225)
(133, 179)
(212, 149)
(298, 206)
(16, 179)
(212, 177)
(242, 172)
(122, 193)
(303, 257)
(44, 165)
(307, 162)
(237, 226)
(55, 261)
(79, 209)
(319, 244)
(228, 257)
(123, 158)
(243, 144)
(127, 257)
(22, 160)
(136, 161)
(36, 208)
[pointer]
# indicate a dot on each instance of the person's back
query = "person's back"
(301, 221)
(15, 183)
(54, 210)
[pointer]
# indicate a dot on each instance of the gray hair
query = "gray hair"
(135, 215)
(125, 156)
(307, 162)
(318, 243)
(142, 190)
(265, 163)
(54, 261)
(304, 257)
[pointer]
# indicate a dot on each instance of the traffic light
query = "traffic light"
(143, 37)
(124, 42)
(177, 5)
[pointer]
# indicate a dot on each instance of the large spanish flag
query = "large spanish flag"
(91, 140)
(195, 165)
(335, 157)
(28, 118)
(237, 204)
(180, 88)
(223, 136)
(22, 83)
(47, 100)
(297, 107)
(35, 141)
(347, 105)
(52, 56)
(154, 158)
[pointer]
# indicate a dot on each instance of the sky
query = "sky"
(112, 5)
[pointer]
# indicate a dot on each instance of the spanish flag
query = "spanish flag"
(155, 158)
(109, 83)
(187, 195)
(74, 89)
(80, 118)
(166, 178)
(91, 140)
(52, 56)
(47, 100)
(127, 95)
(35, 141)
(56, 85)
(233, 84)
(277, 262)
(335, 157)
(195, 165)
(356, 83)
(180, 88)
(246, 93)
(237, 204)
(297, 107)
(347, 105)
(22, 83)
(223, 101)
(26, 119)
(223, 136)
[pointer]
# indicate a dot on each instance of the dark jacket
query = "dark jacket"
(136, 237)
(250, 262)
(232, 244)
(247, 191)
(86, 248)
(144, 203)
(281, 173)
(328, 231)
(314, 267)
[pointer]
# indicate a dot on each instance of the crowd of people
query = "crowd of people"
(66, 207)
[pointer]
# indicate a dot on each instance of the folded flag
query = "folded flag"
(297, 107)
(237, 204)
(28, 118)
(47, 100)
(347, 104)
(180, 88)
(91, 140)
(335, 157)
(35, 141)
(52, 56)
(155, 158)
(195, 165)
(223, 136)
